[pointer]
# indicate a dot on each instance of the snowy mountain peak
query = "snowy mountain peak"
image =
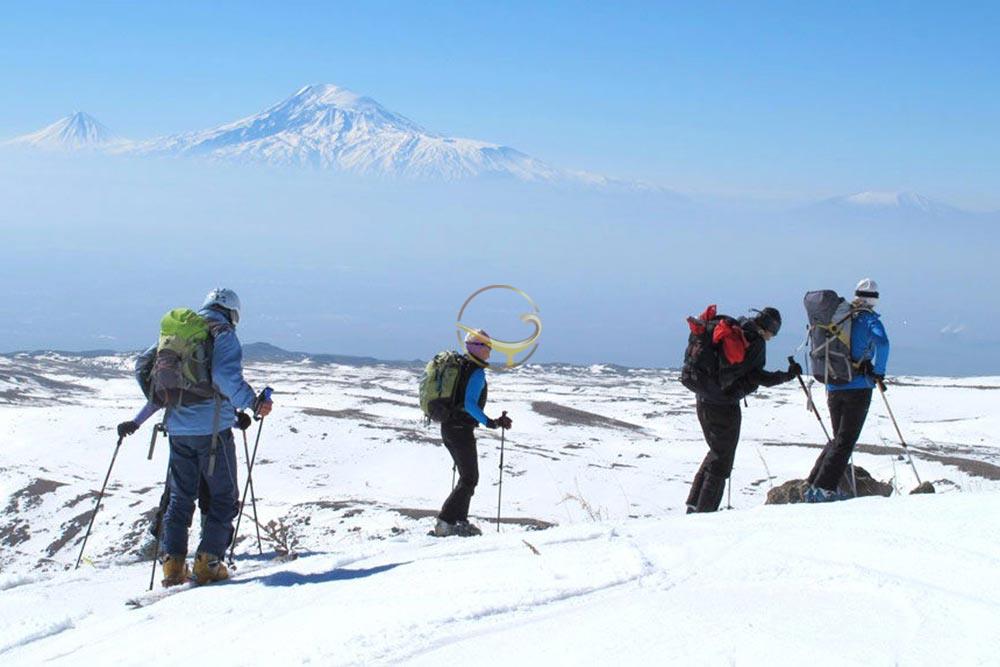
(898, 199)
(331, 95)
(892, 202)
(326, 126)
(76, 131)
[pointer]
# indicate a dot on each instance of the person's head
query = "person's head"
(479, 345)
(225, 301)
(768, 322)
(866, 293)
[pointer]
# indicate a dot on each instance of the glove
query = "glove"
(492, 423)
(127, 429)
(243, 420)
(262, 404)
(866, 368)
(794, 369)
(880, 381)
(503, 421)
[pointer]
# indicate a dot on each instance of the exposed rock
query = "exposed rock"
(794, 491)
(923, 487)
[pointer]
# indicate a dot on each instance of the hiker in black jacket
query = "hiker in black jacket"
(718, 407)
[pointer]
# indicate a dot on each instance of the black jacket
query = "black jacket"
(744, 378)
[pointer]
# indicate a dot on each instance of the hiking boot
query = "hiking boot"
(815, 494)
(175, 570)
(209, 568)
(444, 529)
(466, 529)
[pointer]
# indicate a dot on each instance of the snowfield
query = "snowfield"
(595, 560)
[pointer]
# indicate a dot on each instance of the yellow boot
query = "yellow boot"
(209, 568)
(175, 570)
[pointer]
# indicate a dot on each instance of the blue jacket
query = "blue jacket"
(473, 392)
(868, 341)
(227, 376)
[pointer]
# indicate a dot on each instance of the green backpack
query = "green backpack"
(439, 385)
(182, 369)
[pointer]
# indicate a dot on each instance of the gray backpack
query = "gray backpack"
(830, 319)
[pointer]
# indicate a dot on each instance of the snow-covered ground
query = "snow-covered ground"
(606, 454)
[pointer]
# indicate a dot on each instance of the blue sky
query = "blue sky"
(764, 106)
(779, 99)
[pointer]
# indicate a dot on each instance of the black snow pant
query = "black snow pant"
(848, 411)
(460, 439)
(721, 425)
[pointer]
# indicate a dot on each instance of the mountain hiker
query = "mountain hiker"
(850, 396)
(458, 405)
(724, 362)
(196, 373)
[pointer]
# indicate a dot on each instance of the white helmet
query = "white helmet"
(223, 297)
(867, 292)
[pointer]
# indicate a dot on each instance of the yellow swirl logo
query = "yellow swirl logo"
(510, 349)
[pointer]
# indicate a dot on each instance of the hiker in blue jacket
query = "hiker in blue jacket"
(458, 432)
(849, 402)
(191, 427)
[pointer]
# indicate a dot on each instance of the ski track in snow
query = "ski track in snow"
(626, 577)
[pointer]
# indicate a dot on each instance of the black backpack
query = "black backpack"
(711, 362)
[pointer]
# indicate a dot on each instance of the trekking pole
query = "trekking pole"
(881, 390)
(159, 535)
(810, 406)
(97, 506)
(503, 432)
(266, 396)
(253, 496)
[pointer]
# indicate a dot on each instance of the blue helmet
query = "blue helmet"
(223, 297)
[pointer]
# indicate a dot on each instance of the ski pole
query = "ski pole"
(881, 390)
(454, 469)
(503, 432)
(253, 496)
(265, 396)
(159, 535)
(97, 506)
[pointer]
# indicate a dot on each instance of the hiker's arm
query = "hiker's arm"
(770, 378)
(227, 370)
(759, 376)
(147, 411)
(473, 390)
(881, 342)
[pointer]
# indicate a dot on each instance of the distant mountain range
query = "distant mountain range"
(327, 127)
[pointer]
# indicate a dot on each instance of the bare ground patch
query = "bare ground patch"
(576, 417)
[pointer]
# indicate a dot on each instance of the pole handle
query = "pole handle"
(264, 397)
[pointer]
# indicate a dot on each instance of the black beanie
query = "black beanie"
(769, 319)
